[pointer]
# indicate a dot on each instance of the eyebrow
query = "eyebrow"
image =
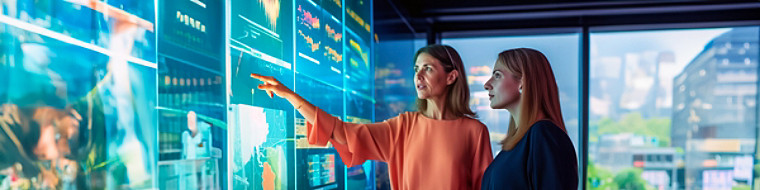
(422, 65)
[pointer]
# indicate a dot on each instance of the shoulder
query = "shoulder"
(402, 117)
(474, 124)
(546, 128)
(545, 134)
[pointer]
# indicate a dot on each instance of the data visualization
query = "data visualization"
(193, 24)
(261, 149)
(124, 94)
(319, 40)
(359, 68)
(358, 18)
(320, 49)
(263, 27)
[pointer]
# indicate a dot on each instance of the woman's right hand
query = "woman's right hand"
(272, 86)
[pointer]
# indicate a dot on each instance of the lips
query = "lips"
(421, 86)
(490, 96)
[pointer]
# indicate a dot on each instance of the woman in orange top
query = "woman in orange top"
(440, 146)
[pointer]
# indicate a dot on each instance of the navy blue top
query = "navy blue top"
(543, 159)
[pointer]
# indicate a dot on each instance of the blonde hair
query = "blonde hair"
(539, 92)
(458, 93)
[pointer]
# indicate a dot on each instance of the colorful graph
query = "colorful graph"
(359, 20)
(332, 54)
(358, 48)
(321, 169)
(335, 36)
(310, 41)
(307, 18)
(272, 11)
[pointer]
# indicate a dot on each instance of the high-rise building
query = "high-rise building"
(714, 111)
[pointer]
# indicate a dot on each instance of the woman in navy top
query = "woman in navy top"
(536, 153)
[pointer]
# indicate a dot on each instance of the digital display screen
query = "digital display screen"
(263, 27)
(359, 68)
(192, 125)
(319, 43)
(83, 121)
(193, 24)
(124, 94)
(261, 150)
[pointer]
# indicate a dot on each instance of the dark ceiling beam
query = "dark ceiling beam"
(445, 18)
(593, 12)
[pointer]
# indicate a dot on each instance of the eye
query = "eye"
(497, 75)
(428, 69)
(416, 69)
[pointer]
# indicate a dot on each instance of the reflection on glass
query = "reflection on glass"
(259, 148)
(676, 112)
(79, 92)
(193, 132)
(479, 56)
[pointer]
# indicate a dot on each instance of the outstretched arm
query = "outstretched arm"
(273, 87)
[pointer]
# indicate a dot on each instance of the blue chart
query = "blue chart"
(195, 25)
(262, 26)
(319, 51)
(359, 68)
(123, 94)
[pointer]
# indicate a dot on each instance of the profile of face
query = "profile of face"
(47, 147)
(503, 88)
(192, 120)
(430, 77)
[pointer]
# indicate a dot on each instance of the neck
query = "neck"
(436, 109)
(515, 112)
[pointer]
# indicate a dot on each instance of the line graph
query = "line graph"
(332, 54)
(309, 40)
(307, 19)
(335, 36)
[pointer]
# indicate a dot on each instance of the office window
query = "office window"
(687, 95)
(479, 56)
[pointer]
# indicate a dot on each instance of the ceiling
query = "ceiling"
(442, 16)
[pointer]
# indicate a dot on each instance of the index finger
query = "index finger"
(262, 78)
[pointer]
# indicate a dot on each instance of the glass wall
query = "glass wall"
(158, 95)
(673, 109)
(479, 55)
(78, 95)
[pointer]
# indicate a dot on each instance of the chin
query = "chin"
(497, 106)
(422, 95)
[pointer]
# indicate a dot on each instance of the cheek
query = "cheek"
(439, 81)
(506, 89)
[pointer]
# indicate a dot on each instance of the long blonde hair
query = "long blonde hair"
(539, 92)
(458, 93)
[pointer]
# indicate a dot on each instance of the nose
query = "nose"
(418, 74)
(487, 86)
